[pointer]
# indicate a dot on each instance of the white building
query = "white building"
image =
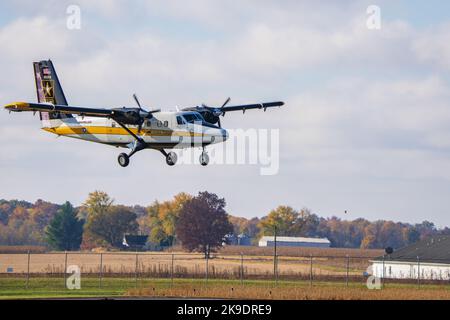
(428, 259)
(294, 242)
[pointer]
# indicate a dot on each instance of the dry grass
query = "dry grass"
(159, 265)
(301, 252)
(292, 293)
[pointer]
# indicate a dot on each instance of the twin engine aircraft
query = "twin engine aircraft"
(128, 127)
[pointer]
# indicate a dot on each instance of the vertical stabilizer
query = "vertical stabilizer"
(49, 90)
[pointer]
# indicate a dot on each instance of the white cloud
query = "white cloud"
(433, 46)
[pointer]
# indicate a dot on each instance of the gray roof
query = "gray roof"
(296, 239)
(434, 250)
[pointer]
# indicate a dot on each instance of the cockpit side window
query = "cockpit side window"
(180, 120)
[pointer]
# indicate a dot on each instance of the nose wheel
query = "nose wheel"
(204, 159)
(171, 159)
(124, 160)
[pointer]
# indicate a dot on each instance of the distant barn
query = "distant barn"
(134, 242)
(295, 242)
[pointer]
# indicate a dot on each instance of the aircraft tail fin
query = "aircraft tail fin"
(48, 90)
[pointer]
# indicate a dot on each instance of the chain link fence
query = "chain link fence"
(133, 270)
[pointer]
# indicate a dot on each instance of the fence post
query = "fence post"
(100, 274)
(275, 257)
(311, 270)
(207, 269)
(28, 269)
(418, 272)
(382, 272)
(242, 269)
(171, 271)
(347, 270)
(65, 269)
(136, 271)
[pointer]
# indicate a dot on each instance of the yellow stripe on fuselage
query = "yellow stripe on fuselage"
(67, 130)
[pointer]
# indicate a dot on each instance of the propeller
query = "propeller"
(217, 112)
(143, 114)
(137, 100)
(226, 102)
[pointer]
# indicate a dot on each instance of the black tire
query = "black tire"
(204, 159)
(124, 160)
(171, 159)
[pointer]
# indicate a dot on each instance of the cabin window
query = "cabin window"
(180, 120)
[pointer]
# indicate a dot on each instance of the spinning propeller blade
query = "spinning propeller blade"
(137, 101)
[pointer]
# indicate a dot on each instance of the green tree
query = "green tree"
(203, 223)
(65, 231)
(285, 220)
(110, 226)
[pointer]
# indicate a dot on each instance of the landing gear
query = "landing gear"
(204, 159)
(124, 160)
(171, 159)
(138, 145)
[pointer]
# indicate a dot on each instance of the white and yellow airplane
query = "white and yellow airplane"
(133, 128)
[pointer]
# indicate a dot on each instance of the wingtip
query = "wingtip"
(16, 106)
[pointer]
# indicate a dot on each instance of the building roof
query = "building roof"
(296, 239)
(435, 250)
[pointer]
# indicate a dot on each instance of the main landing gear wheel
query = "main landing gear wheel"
(171, 158)
(204, 159)
(124, 160)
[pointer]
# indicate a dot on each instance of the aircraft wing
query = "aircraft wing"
(47, 107)
(252, 106)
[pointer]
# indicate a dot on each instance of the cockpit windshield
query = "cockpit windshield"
(197, 118)
(193, 117)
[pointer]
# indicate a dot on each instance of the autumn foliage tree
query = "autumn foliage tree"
(285, 221)
(203, 223)
(97, 203)
(162, 217)
(110, 226)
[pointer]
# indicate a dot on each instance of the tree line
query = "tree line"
(198, 223)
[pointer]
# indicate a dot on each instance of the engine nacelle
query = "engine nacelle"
(210, 117)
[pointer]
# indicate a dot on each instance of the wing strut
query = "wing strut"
(130, 132)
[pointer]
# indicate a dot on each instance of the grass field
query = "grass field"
(14, 288)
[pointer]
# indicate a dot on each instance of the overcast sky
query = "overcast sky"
(366, 126)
